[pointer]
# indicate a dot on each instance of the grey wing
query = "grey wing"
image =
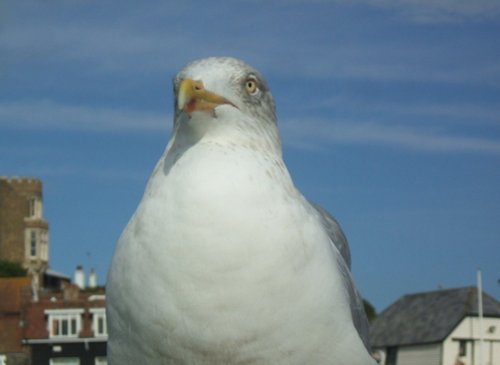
(335, 233)
(339, 240)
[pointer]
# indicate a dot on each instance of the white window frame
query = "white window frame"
(33, 243)
(97, 314)
(56, 360)
(37, 243)
(35, 207)
(43, 245)
(62, 316)
(32, 202)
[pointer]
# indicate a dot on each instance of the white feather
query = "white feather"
(224, 261)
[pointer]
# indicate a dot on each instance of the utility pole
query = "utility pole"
(480, 312)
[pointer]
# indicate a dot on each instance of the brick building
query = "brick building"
(24, 233)
(66, 326)
(14, 297)
(44, 320)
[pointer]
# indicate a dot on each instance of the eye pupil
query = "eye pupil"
(251, 86)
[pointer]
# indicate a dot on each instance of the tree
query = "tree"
(369, 310)
(10, 269)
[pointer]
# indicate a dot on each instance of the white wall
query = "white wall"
(419, 355)
(468, 330)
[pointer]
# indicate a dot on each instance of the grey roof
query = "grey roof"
(428, 317)
(56, 274)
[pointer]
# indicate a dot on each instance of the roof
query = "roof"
(428, 317)
(56, 274)
(71, 297)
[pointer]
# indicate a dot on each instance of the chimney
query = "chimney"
(70, 292)
(80, 277)
(92, 278)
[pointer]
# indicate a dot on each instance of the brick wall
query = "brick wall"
(14, 293)
(14, 206)
(15, 195)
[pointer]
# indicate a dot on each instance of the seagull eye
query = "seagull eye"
(251, 86)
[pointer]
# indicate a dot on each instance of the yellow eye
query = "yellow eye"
(251, 86)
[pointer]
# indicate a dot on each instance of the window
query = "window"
(392, 354)
(462, 348)
(44, 245)
(64, 322)
(32, 207)
(65, 361)
(35, 207)
(33, 243)
(101, 360)
(37, 244)
(99, 326)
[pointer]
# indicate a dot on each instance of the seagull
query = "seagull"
(224, 260)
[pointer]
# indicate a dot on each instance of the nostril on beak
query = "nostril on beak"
(198, 86)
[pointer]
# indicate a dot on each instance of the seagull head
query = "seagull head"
(223, 95)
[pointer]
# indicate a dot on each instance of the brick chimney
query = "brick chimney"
(70, 292)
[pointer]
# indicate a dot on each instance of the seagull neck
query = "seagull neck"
(260, 138)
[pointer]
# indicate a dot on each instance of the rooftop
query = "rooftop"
(428, 317)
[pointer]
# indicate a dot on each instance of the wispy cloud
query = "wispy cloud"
(98, 46)
(425, 11)
(47, 114)
(439, 11)
(471, 113)
(49, 169)
(308, 133)
(132, 47)
(92, 172)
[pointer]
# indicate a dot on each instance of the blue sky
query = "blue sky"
(389, 114)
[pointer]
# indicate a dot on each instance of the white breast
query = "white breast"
(223, 263)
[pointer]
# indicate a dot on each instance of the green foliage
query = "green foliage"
(96, 290)
(369, 310)
(10, 269)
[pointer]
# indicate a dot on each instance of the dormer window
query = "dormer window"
(99, 322)
(64, 322)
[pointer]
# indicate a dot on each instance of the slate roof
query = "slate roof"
(428, 317)
(56, 274)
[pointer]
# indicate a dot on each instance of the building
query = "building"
(24, 233)
(67, 327)
(14, 294)
(51, 327)
(438, 328)
(44, 320)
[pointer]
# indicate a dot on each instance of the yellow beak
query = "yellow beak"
(193, 97)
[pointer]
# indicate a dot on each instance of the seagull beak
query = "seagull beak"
(194, 97)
